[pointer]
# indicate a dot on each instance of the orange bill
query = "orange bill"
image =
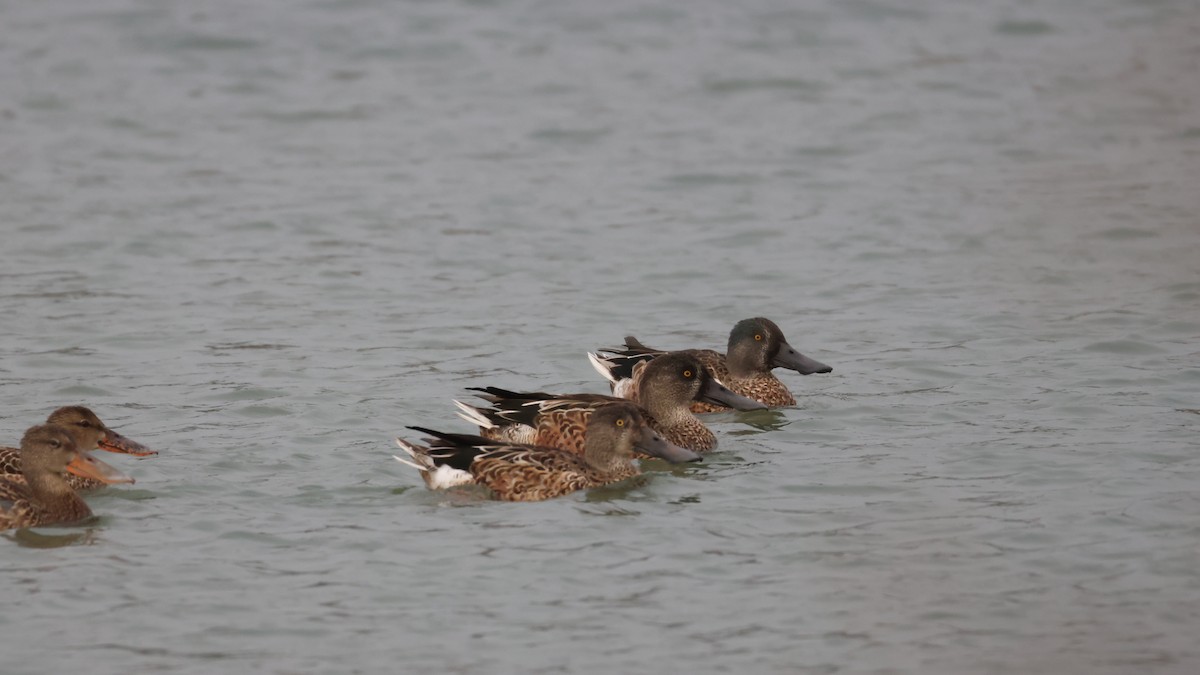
(86, 466)
(114, 442)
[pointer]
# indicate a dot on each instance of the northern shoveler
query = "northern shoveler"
(44, 497)
(755, 347)
(664, 388)
(89, 433)
(524, 473)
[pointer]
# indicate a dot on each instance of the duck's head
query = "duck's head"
(89, 432)
(51, 449)
(757, 345)
(681, 379)
(617, 430)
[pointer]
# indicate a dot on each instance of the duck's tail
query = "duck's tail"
(435, 476)
(476, 416)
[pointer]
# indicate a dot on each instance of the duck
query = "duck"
(664, 390)
(44, 496)
(89, 433)
(756, 346)
(522, 472)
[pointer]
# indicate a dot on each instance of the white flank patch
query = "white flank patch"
(436, 477)
(447, 476)
(622, 388)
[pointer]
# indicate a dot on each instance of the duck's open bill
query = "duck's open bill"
(86, 466)
(114, 442)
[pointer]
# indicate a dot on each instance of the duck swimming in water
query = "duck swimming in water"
(524, 473)
(755, 347)
(666, 388)
(43, 496)
(89, 433)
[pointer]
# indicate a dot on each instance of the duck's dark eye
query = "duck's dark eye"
(55, 443)
(85, 423)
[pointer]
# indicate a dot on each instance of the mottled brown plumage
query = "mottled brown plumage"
(755, 347)
(535, 418)
(664, 388)
(89, 433)
(43, 495)
(519, 472)
(527, 475)
(762, 385)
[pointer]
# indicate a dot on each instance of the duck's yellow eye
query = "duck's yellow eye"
(687, 373)
(620, 423)
(758, 337)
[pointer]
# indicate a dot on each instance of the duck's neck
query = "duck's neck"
(52, 493)
(679, 425)
(745, 364)
(605, 459)
(665, 411)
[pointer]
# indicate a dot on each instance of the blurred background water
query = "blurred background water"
(264, 237)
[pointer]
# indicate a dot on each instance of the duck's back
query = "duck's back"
(19, 508)
(526, 474)
(541, 419)
(10, 469)
(16, 508)
(10, 461)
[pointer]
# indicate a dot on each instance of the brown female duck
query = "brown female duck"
(89, 433)
(665, 388)
(525, 473)
(44, 497)
(755, 347)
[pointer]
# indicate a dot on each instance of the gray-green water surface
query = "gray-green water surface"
(264, 237)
